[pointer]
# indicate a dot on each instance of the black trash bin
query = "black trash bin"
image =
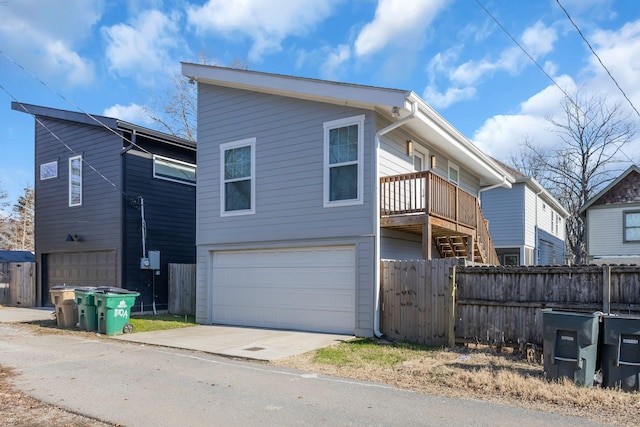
(570, 345)
(621, 352)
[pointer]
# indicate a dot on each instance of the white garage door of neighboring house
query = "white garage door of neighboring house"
(311, 289)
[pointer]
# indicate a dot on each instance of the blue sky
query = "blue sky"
(112, 57)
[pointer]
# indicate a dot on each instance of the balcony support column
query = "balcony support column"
(470, 246)
(427, 239)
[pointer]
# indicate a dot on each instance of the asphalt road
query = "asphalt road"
(140, 385)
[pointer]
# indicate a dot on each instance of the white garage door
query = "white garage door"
(310, 289)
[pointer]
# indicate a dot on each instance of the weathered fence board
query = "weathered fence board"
(502, 305)
(417, 301)
(182, 289)
(17, 284)
(495, 305)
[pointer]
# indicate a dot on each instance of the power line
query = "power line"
(84, 161)
(68, 101)
(567, 96)
(598, 57)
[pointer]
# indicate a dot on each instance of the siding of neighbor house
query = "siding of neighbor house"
(97, 220)
(505, 210)
(288, 185)
(609, 240)
(170, 223)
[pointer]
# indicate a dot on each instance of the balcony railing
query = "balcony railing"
(429, 194)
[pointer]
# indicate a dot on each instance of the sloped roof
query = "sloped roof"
(96, 120)
(427, 122)
(611, 187)
(536, 187)
(17, 256)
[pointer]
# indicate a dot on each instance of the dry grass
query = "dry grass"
(478, 373)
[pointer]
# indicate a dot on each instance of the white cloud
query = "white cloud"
(143, 48)
(451, 96)
(538, 40)
(336, 58)
(43, 36)
(620, 52)
(267, 23)
(132, 113)
(397, 22)
(502, 135)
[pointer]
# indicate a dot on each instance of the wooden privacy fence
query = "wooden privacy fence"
(502, 305)
(439, 302)
(18, 284)
(417, 301)
(182, 289)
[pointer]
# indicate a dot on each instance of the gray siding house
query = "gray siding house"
(304, 185)
(613, 221)
(526, 223)
(95, 176)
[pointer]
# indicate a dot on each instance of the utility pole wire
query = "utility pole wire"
(598, 57)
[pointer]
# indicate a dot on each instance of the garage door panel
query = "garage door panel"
(308, 288)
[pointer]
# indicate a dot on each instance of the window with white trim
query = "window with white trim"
(75, 181)
(631, 222)
(237, 177)
(174, 170)
(454, 173)
(343, 161)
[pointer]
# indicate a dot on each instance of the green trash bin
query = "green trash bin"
(621, 352)
(570, 345)
(87, 313)
(64, 302)
(113, 306)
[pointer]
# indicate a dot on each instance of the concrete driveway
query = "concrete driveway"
(233, 341)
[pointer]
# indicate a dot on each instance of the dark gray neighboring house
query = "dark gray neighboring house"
(94, 179)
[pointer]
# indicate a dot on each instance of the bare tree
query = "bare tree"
(17, 232)
(176, 111)
(592, 133)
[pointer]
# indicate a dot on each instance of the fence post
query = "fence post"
(606, 289)
(451, 333)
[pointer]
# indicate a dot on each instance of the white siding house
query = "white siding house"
(613, 221)
(290, 227)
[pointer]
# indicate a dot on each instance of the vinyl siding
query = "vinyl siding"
(394, 159)
(289, 169)
(605, 231)
(505, 210)
(170, 223)
(289, 174)
(97, 220)
(398, 245)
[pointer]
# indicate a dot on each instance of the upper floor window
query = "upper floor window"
(237, 180)
(631, 226)
(454, 173)
(174, 170)
(75, 181)
(343, 161)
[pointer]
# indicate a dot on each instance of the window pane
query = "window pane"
(343, 182)
(237, 195)
(632, 234)
(453, 175)
(165, 168)
(632, 219)
(237, 163)
(343, 144)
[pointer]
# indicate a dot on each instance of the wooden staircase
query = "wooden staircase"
(456, 247)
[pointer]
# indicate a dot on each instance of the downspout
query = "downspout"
(376, 217)
(491, 187)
